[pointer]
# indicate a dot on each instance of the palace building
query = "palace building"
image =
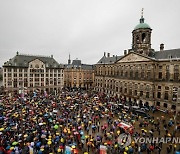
(30, 73)
(141, 75)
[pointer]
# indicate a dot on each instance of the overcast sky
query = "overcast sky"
(84, 28)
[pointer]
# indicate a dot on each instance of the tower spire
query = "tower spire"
(142, 11)
(142, 18)
(69, 60)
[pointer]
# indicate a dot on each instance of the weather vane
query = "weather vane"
(142, 12)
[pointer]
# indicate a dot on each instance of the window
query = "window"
(167, 73)
(131, 73)
(160, 67)
(147, 94)
(166, 95)
(148, 75)
(136, 74)
(143, 37)
(166, 88)
(159, 87)
(160, 75)
(176, 72)
(142, 74)
(159, 95)
(175, 91)
(141, 93)
(135, 92)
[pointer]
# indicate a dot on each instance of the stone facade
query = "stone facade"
(25, 72)
(78, 75)
(142, 75)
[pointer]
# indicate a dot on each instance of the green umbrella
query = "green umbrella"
(15, 143)
(56, 126)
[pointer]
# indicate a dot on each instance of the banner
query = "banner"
(103, 149)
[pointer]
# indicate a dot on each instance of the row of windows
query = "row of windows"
(135, 74)
(31, 70)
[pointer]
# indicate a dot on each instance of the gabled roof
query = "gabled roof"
(167, 54)
(21, 60)
(108, 60)
(77, 64)
(172, 54)
(135, 57)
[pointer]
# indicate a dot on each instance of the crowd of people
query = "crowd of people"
(78, 122)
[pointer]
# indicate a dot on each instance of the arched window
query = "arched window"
(143, 37)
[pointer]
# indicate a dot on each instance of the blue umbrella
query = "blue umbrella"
(38, 144)
(131, 150)
(82, 133)
(46, 115)
(8, 147)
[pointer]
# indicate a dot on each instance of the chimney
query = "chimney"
(51, 56)
(125, 52)
(104, 54)
(108, 55)
(161, 47)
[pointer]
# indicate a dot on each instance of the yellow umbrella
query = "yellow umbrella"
(49, 142)
(25, 135)
(126, 148)
(62, 140)
(73, 147)
(1, 129)
(86, 136)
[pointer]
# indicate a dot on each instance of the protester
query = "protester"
(74, 122)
